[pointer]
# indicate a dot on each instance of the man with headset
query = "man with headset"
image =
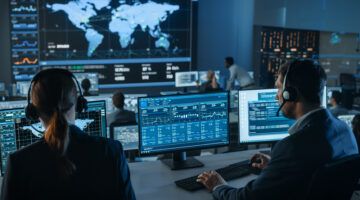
(316, 138)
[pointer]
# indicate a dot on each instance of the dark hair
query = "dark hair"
(85, 84)
(53, 95)
(229, 60)
(118, 100)
(336, 95)
(307, 77)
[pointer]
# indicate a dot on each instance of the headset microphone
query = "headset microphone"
(278, 111)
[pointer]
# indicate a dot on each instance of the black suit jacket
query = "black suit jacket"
(121, 116)
(101, 171)
(319, 138)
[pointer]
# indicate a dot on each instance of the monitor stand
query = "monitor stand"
(179, 161)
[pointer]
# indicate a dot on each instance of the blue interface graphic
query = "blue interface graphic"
(263, 119)
(182, 122)
(15, 133)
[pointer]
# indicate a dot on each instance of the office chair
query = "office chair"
(335, 180)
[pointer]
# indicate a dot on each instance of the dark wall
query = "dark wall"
(225, 29)
(5, 69)
(324, 15)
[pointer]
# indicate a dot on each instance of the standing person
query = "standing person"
(66, 163)
(239, 74)
(121, 115)
(316, 138)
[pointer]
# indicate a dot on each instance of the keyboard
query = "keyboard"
(229, 172)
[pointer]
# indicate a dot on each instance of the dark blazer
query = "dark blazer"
(101, 171)
(319, 139)
(121, 116)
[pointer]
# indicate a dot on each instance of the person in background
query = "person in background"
(336, 108)
(237, 74)
(211, 85)
(86, 85)
(315, 139)
(355, 123)
(120, 115)
(65, 163)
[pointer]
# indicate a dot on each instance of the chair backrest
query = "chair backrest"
(335, 180)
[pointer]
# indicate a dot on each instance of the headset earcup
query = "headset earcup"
(286, 95)
(81, 104)
(31, 112)
(290, 94)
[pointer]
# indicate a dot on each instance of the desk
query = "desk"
(154, 180)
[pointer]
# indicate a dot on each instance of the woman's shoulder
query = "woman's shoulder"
(30, 152)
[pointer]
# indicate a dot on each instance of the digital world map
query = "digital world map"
(124, 20)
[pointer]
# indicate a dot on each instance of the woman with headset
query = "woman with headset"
(66, 163)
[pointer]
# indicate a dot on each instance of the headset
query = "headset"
(289, 93)
(30, 110)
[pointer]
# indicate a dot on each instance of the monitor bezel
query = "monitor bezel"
(185, 148)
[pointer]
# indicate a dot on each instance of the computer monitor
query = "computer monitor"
(22, 88)
(183, 122)
(127, 134)
(93, 121)
(258, 122)
(107, 98)
(203, 76)
(347, 119)
(186, 79)
(93, 78)
(15, 133)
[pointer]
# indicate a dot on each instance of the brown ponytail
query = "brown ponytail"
(56, 136)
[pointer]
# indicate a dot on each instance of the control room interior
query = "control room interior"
(160, 63)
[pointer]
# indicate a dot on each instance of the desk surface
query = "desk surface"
(154, 180)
